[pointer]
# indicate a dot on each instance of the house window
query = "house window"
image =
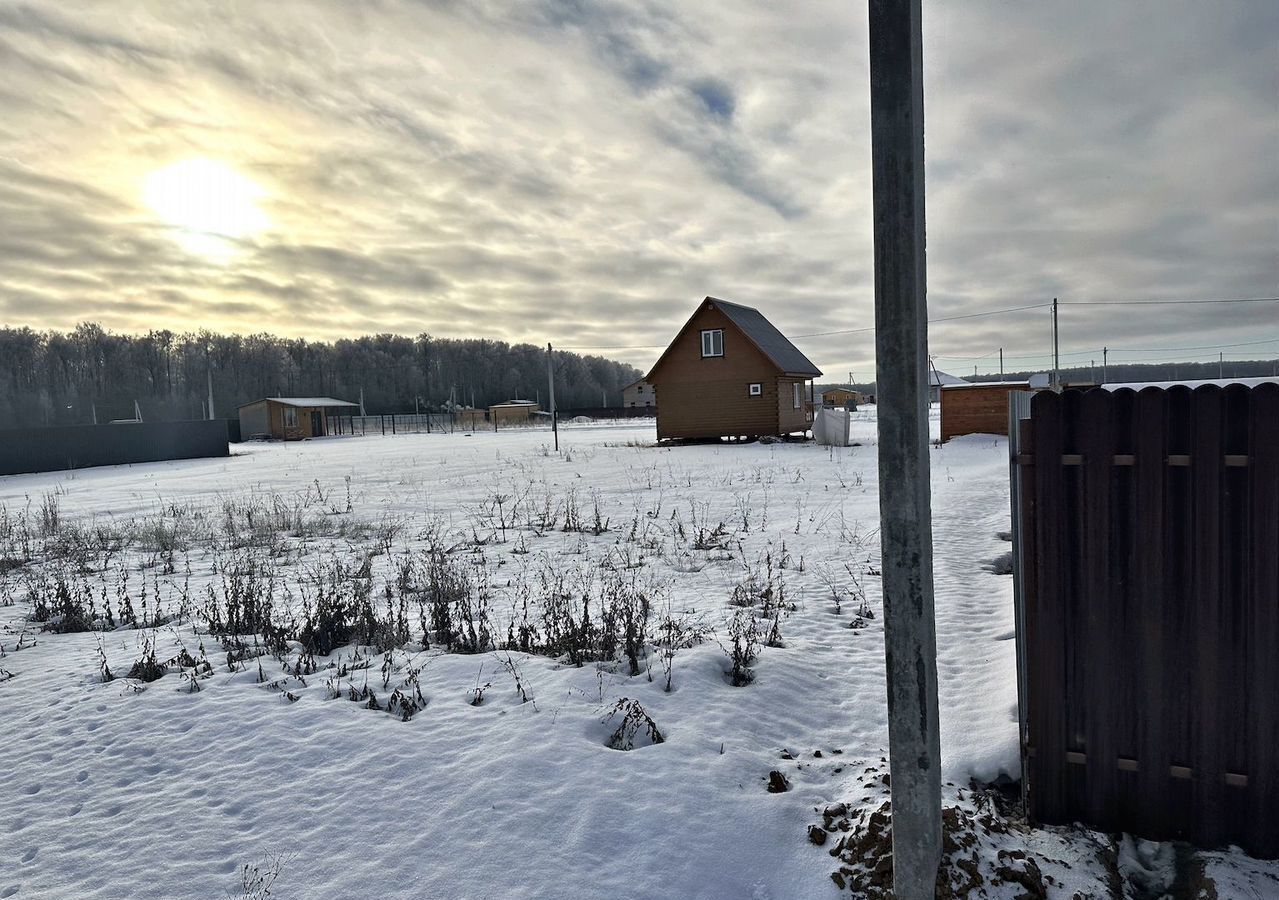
(713, 342)
(799, 394)
(757, 390)
(639, 389)
(290, 417)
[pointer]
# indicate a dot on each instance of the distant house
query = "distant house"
(638, 393)
(513, 412)
(730, 373)
(937, 381)
(841, 398)
(291, 418)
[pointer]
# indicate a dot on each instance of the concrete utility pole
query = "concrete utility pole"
(1105, 358)
(1056, 355)
(1001, 363)
(1221, 365)
(905, 505)
(208, 371)
(550, 380)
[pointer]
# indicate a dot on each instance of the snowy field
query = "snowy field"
(566, 675)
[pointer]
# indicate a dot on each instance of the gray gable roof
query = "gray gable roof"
(771, 342)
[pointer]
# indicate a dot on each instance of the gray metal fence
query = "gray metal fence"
(56, 447)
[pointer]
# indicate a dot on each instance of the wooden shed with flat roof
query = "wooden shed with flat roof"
(291, 418)
(978, 407)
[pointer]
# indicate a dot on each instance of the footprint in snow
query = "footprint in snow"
(29, 855)
(10, 890)
(82, 776)
(31, 790)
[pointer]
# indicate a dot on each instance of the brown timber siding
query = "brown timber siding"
(278, 428)
(704, 398)
(976, 410)
(1149, 561)
(789, 418)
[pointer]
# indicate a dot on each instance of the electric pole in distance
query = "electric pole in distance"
(905, 505)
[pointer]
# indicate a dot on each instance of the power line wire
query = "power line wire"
(991, 312)
(1166, 302)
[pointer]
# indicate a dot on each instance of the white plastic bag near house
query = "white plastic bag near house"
(831, 427)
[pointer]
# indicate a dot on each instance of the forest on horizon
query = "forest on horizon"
(53, 377)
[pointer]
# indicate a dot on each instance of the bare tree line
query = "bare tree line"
(51, 377)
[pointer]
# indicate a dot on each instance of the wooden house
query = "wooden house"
(291, 418)
(730, 373)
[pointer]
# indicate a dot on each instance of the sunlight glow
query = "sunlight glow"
(210, 205)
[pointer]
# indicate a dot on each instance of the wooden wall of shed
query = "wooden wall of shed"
(789, 418)
(710, 397)
(976, 410)
(290, 433)
(511, 414)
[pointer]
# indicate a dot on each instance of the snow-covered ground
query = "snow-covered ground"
(119, 789)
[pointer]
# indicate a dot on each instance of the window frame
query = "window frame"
(798, 389)
(711, 333)
(287, 413)
(755, 389)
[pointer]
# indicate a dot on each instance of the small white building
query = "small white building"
(639, 393)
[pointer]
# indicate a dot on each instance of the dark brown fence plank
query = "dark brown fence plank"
(1179, 538)
(1126, 641)
(1232, 655)
(1150, 417)
(1072, 635)
(1045, 650)
(1209, 825)
(1097, 615)
(1262, 684)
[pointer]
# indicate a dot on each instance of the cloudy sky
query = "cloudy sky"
(584, 172)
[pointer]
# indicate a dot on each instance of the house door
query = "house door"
(317, 424)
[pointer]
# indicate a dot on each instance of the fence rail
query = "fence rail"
(1147, 544)
(445, 423)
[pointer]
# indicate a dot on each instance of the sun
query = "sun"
(210, 205)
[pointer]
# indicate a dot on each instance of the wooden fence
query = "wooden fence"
(1147, 546)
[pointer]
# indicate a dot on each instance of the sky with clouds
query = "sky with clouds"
(584, 172)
